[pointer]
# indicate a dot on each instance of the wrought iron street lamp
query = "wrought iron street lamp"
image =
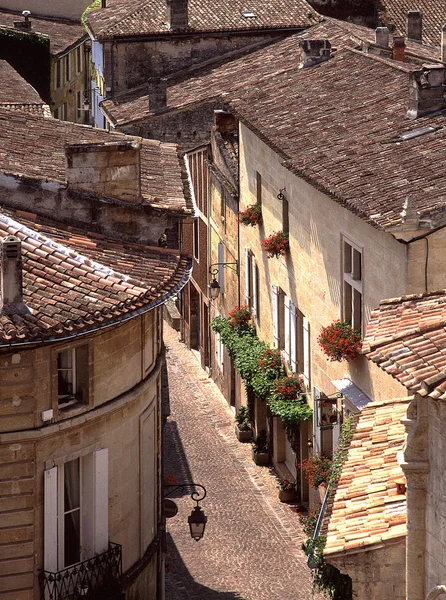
(197, 519)
(214, 286)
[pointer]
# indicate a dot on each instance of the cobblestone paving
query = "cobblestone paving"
(251, 549)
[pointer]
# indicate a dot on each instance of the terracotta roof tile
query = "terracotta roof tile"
(62, 34)
(366, 509)
(337, 125)
(395, 11)
(144, 17)
(27, 142)
(77, 284)
(18, 94)
(407, 337)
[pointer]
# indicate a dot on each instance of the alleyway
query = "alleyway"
(251, 547)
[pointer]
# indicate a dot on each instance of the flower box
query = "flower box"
(340, 341)
(251, 216)
(243, 435)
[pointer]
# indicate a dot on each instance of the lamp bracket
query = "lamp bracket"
(197, 496)
(214, 271)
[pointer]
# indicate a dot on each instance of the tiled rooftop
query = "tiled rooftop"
(337, 125)
(18, 94)
(142, 17)
(366, 510)
(75, 281)
(62, 34)
(434, 16)
(406, 337)
(34, 147)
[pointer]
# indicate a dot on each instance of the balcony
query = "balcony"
(98, 578)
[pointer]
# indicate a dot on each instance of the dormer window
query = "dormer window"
(247, 14)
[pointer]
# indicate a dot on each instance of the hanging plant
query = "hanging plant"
(239, 317)
(251, 216)
(276, 244)
(316, 470)
(340, 341)
(288, 388)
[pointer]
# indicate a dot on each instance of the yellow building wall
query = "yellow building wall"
(72, 82)
(310, 274)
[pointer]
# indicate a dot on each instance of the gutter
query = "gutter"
(311, 563)
(117, 321)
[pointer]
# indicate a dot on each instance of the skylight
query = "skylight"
(417, 132)
(248, 14)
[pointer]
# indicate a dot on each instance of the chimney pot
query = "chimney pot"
(103, 3)
(11, 277)
(25, 25)
(177, 14)
(157, 93)
(427, 90)
(399, 49)
(314, 52)
(415, 25)
(382, 37)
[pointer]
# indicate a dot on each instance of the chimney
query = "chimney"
(427, 91)
(107, 169)
(225, 122)
(443, 43)
(157, 93)
(314, 52)
(25, 25)
(399, 49)
(103, 3)
(11, 302)
(177, 14)
(382, 37)
(414, 25)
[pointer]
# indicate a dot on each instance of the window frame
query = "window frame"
(352, 278)
(72, 399)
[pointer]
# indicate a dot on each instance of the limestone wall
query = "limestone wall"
(311, 272)
(378, 574)
(121, 413)
(427, 264)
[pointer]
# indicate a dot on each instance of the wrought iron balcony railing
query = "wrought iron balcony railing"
(98, 578)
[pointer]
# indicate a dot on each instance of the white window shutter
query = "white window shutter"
(316, 420)
(293, 337)
(247, 277)
(306, 346)
(221, 269)
(50, 520)
(275, 308)
(286, 326)
(254, 285)
(101, 501)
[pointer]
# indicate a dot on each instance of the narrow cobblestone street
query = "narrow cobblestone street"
(251, 549)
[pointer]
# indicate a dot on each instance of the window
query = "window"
(258, 188)
(291, 331)
(79, 103)
(72, 376)
(198, 168)
(220, 350)
(67, 67)
(58, 67)
(196, 240)
(252, 289)
(352, 284)
(75, 510)
(285, 212)
(79, 64)
(221, 268)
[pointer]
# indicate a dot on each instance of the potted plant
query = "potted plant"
(243, 429)
(276, 244)
(251, 216)
(316, 470)
(260, 453)
(340, 341)
(287, 491)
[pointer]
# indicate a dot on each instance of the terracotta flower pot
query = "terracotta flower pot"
(287, 495)
(260, 458)
(243, 436)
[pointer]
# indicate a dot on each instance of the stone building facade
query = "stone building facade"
(83, 283)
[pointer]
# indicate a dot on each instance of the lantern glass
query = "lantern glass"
(214, 289)
(197, 523)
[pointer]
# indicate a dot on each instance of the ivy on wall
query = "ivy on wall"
(95, 4)
(29, 54)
